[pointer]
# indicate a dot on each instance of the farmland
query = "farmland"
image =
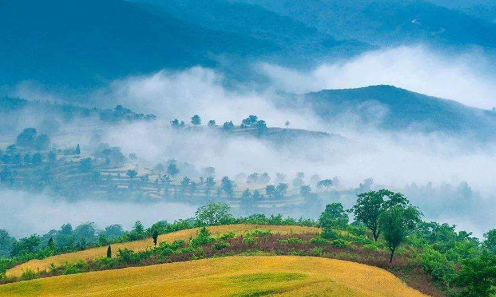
(40, 265)
(229, 276)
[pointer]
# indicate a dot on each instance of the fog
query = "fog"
(23, 213)
(465, 77)
(392, 159)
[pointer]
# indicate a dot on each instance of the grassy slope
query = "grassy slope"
(143, 244)
(230, 276)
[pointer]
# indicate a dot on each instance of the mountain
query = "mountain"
(397, 109)
(387, 22)
(483, 9)
(85, 43)
(297, 41)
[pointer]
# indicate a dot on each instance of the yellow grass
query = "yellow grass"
(230, 276)
(44, 264)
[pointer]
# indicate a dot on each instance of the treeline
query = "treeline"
(386, 231)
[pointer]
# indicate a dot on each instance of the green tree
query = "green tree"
(228, 126)
(131, 173)
(325, 183)
(396, 223)
(196, 120)
(227, 186)
(490, 241)
(213, 214)
(109, 252)
(334, 217)
(172, 170)
(261, 128)
(155, 237)
(42, 142)
(209, 184)
(305, 191)
(477, 276)
(370, 205)
(27, 138)
(212, 124)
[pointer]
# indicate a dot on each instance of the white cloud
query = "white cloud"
(461, 77)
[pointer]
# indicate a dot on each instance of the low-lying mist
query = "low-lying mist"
(23, 213)
(392, 159)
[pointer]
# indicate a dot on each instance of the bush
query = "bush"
(202, 238)
(329, 233)
(316, 251)
(340, 243)
(28, 274)
(228, 236)
(77, 267)
(291, 241)
(319, 241)
(249, 239)
(220, 245)
(259, 233)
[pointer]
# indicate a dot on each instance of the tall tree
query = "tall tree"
(370, 205)
(155, 237)
(396, 223)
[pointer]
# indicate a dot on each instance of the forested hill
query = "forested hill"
(397, 109)
(86, 43)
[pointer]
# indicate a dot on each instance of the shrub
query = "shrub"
(126, 256)
(329, 233)
(220, 245)
(202, 238)
(77, 267)
(228, 236)
(28, 274)
(316, 251)
(291, 241)
(340, 243)
(319, 241)
(259, 233)
(249, 239)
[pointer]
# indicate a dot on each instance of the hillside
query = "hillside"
(39, 265)
(83, 44)
(231, 276)
(397, 109)
(297, 41)
(387, 22)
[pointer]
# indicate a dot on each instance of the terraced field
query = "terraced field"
(230, 276)
(40, 265)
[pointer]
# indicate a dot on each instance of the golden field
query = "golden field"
(229, 276)
(44, 264)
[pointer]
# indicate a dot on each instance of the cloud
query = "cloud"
(461, 77)
(198, 90)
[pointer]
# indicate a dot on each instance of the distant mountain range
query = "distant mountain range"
(85, 44)
(396, 109)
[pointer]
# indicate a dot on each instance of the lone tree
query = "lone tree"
(172, 170)
(196, 120)
(397, 223)
(372, 204)
(213, 214)
(155, 237)
(334, 216)
(131, 174)
(109, 252)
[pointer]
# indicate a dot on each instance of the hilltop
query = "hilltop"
(397, 109)
(231, 276)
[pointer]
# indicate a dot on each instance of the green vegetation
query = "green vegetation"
(387, 232)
